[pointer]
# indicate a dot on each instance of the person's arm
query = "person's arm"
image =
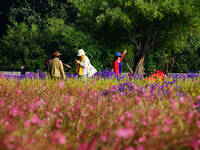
(62, 70)
(66, 65)
(123, 54)
(116, 68)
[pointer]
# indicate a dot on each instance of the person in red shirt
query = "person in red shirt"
(117, 65)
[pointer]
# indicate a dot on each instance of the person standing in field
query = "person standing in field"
(55, 67)
(83, 67)
(22, 70)
(117, 64)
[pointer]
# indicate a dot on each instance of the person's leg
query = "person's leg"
(56, 78)
(83, 77)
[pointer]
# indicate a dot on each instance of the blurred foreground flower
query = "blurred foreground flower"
(124, 133)
(61, 84)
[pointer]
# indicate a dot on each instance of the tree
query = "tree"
(20, 47)
(37, 11)
(67, 39)
(4, 10)
(184, 58)
(29, 46)
(146, 24)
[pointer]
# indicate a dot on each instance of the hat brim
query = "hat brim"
(81, 54)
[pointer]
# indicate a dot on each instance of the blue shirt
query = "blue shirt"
(120, 67)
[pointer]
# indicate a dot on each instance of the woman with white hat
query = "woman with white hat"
(84, 69)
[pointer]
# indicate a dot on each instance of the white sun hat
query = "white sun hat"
(81, 52)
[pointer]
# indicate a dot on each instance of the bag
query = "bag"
(91, 70)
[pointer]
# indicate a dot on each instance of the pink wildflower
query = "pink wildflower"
(138, 98)
(32, 107)
(121, 118)
(44, 87)
(61, 84)
(27, 123)
(198, 124)
(94, 82)
(2, 75)
(142, 139)
(11, 146)
(93, 145)
(1, 102)
(35, 119)
(190, 117)
(58, 123)
(128, 115)
(111, 109)
(83, 146)
(146, 94)
(165, 128)
(169, 121)
(16, 111)
(60, 137)
(42, 123)
(144, 123)
(140, 147)
(155, 133)
(130, 148)
(18, 91)
(47, 113)
(182, 100)
(103, 138)
(195, 144)
(10, 127)
(62, 140)
(124, 133)
(149, 118)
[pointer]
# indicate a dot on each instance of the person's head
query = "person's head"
(22, 67)
(56, 54)
(118, 55)
(81, 53)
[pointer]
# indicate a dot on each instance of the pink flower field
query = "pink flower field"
(102, 114)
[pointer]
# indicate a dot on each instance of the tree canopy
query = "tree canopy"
(158, 34)
(145, 24)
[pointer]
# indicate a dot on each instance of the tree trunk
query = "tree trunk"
(143, 45)
(140, 66)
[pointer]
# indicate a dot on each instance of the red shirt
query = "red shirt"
(159, 74)
(116, 65)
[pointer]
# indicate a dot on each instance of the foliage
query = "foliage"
(67, 40)
(20, 47)
(165, 33)
(184, 59)
(32, 46)
(145, 24)
(37, 11)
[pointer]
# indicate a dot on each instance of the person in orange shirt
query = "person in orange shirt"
(158, 75)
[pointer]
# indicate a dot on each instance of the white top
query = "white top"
(88, 69)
